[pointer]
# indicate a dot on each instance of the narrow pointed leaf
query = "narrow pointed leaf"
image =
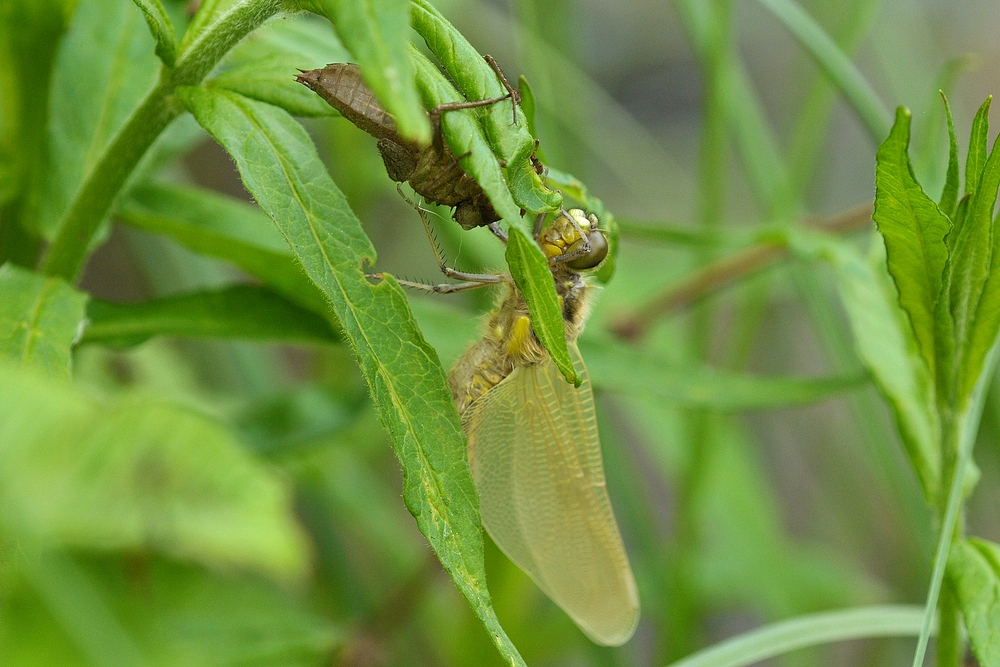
(974, 575)
(530, 269)
(375, 32)
(40, 318)
(976, 159)
(240, 312)
(914, 229)
(222, 227)
(949, 194)
(281, 169)
(161, 28)
(976, 289)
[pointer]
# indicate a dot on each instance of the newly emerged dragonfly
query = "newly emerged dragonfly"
(533, 444)
(432, 171)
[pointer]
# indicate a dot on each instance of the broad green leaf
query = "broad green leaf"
(280, 168)
(60, 609)
(974, 575)
(135, 473)
(949, 194)
(976, 159)
(885, 343)
(240, 312)
(217, 226)
(40, 319)
(104, 67)
(161, 28)
(477, 81)
(624, 369)
(914, 229)
(375, 32)
(271, 80)
(465, 138)
(530, 269)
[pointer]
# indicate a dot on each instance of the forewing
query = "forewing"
(536, 459)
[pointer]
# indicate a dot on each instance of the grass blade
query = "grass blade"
(812, 630)
(842, 72)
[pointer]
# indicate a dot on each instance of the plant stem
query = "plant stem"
(949, 640)
(959, 438)
(69, 249)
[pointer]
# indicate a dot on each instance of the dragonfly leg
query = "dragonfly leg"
(479, 278)
(497, 232)
(447, 288)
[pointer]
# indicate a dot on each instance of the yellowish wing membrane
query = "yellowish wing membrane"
(536, 458)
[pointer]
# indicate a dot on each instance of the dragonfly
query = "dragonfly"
(432, 171)
(533, 442)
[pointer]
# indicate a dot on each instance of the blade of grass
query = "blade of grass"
(874, 115)
(811, 630)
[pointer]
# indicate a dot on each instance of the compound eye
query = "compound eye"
(598, 251)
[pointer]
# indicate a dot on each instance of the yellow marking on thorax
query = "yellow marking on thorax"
(520, 336)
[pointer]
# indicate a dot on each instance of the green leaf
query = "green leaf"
(161, 28)
(784, 637)
(530, 269)
(465, 138)
(975, 283)
(281, 169)
(73, 610)
(217, 226)
(40, 319)
(104, 67)
(375, 32)
(477, 81)
(976, 159)
(885, 343)
(974, 575)
(949, 194)
(914, 229)
(842, 72)
(528, 106)
(271, 80)
(263, 66)
(136, 474)
(240, 312)
(628, 370)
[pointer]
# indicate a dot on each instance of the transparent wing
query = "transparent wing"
(536, 459)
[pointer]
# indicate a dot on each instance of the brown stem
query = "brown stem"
(718, 274)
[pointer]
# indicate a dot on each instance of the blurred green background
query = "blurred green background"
(732, 518)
